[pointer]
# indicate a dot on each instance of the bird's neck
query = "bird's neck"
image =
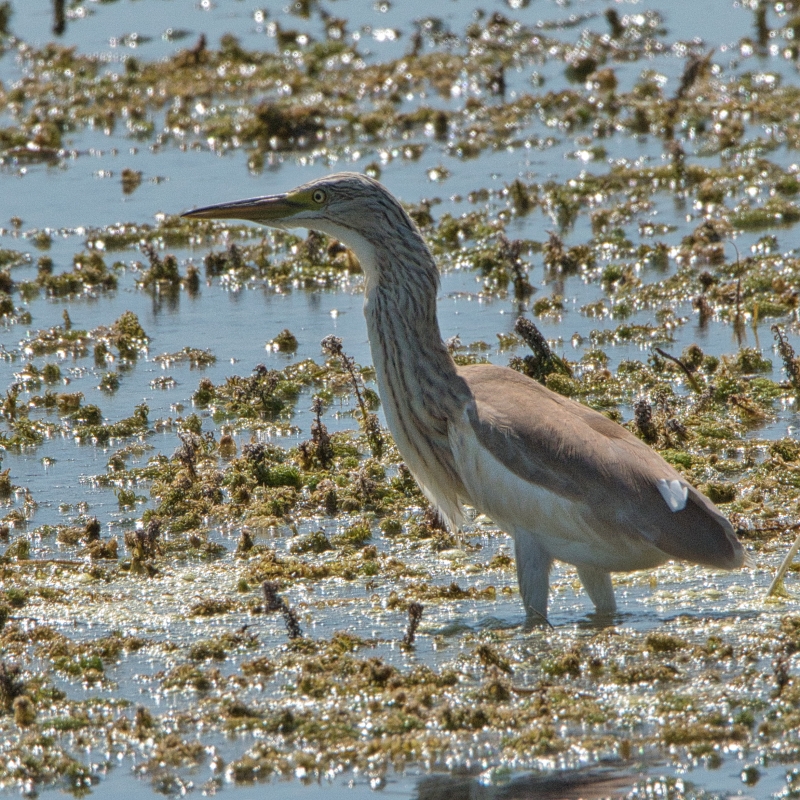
(419, 385)
(420, 388)
(402, 282)
(404, 331)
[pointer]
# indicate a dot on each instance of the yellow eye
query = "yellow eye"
(318, 196)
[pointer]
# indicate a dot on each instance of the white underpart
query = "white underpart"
(569, 530)
(675, 493)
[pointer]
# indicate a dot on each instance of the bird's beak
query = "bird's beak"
(272, 210)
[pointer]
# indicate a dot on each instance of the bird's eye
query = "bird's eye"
(318, 196)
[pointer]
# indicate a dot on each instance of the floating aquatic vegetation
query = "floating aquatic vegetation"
(196, 358)
(212, 501)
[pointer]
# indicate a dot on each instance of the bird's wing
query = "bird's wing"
(577, 454)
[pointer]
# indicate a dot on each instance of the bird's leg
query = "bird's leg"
(533, 575)
(597, 583)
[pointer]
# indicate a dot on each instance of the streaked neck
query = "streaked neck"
(400, 307)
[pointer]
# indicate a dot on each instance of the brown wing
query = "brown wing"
(575, 451)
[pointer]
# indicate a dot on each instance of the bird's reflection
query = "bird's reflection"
(584, 784)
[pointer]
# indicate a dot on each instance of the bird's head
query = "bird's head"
(352, 208)
(337, 198)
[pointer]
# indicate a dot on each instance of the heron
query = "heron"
(566, 482)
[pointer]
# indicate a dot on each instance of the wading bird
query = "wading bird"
(566, 482)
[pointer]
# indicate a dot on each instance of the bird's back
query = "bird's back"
(575, 453)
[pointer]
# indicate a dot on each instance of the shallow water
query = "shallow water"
(80, 191)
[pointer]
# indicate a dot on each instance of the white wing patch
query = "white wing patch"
(674, 493)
